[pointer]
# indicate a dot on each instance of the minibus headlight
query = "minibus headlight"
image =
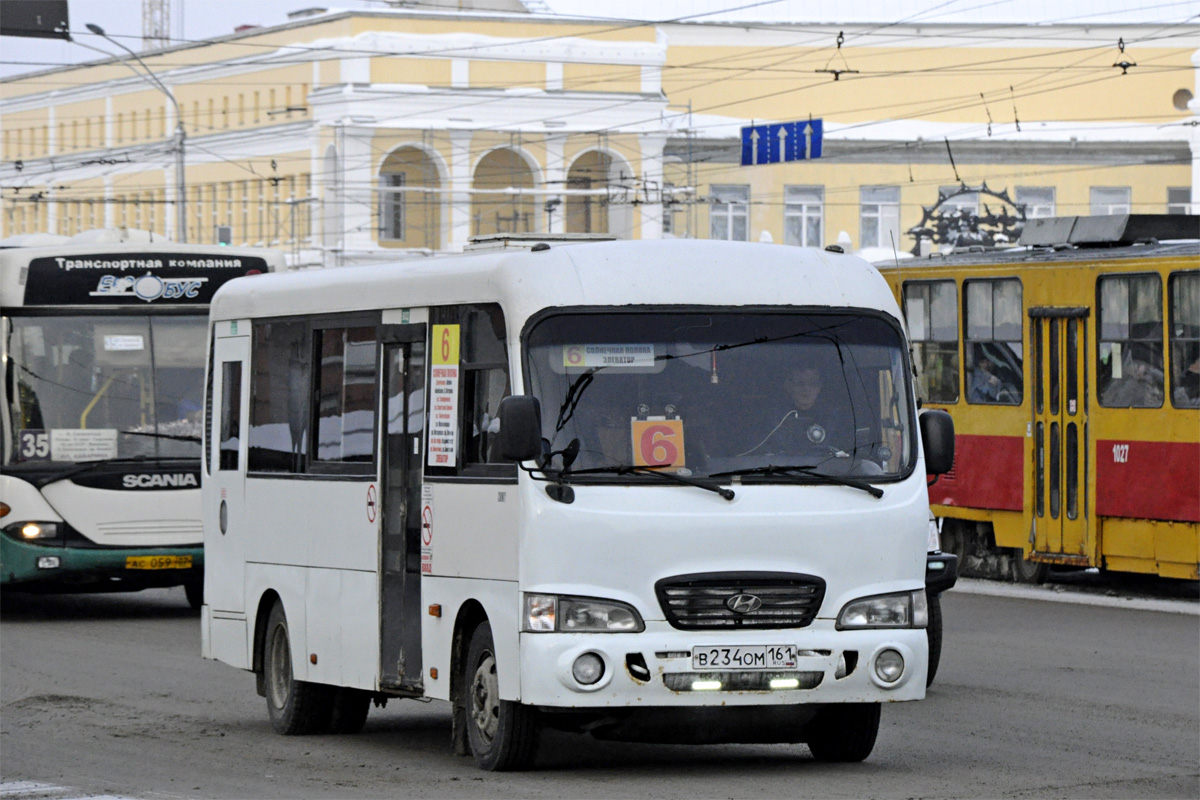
(545, 613)
(900, 610)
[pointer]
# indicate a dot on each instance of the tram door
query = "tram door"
(403, 406)
(1060, 430)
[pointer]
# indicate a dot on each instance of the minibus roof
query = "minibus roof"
(606, 274)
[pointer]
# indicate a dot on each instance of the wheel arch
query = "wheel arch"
(265, 603)
(471, 614)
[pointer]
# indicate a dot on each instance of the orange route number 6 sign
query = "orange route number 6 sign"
(658, 443)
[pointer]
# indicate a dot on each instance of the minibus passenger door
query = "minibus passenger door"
(225, 547)
(403, 404)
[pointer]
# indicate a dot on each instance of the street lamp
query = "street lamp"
(180, 135)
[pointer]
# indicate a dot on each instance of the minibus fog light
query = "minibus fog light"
(889, 666)
(48, 562)
(588, 669)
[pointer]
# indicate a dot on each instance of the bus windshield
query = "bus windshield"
(723, 393)
(90, 388)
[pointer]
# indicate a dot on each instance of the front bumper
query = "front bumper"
(93, 569)
(667, 677)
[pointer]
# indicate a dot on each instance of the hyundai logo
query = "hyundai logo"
(743, 603)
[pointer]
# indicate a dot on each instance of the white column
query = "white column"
(109, 211)
(650, 214)
(556, 178)
(359, 214)
(460, 184)
(1194, 136)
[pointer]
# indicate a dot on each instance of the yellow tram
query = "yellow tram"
(1071, 366)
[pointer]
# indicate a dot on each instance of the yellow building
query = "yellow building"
(358, 136)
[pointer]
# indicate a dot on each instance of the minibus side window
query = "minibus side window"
(346, 375)
(994, 351)
(931, 310)
(279, 397)
(483, 383)
(1130, 359)
(1184, 291)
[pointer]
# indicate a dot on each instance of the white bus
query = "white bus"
(102, 346)
(583, 487)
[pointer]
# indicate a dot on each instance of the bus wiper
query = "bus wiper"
(635, 469)
(808, 472)
(174, 436)
(91, 465)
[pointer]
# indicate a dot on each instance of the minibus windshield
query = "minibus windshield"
(777, 396)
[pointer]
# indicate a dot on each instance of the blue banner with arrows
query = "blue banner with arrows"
(785, 141)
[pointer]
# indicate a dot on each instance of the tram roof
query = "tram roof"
(1032, 256)
(625, 273)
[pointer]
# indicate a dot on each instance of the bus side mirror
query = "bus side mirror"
(937, 436)
(520, 428)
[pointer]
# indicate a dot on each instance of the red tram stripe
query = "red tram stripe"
(989, 472)
(1148, 480)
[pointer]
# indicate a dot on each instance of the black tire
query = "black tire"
(503, 735)
(194, 591)
(1025, 571)
(934, 632)
(350, 708)
(844, 733)
(296, 708)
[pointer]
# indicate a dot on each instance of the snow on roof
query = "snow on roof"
(916, 12)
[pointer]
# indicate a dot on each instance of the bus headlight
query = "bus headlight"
(546, 613)
(35, 532)
(900, 610)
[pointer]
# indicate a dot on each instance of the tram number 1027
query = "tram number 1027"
(1120, 453)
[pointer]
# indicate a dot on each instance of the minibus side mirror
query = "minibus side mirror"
(520, 428)
(937, 435)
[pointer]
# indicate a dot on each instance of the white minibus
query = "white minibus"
(655, 491)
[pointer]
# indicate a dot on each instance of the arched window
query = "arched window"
(408, 216)
(495, 211)
(588, 213)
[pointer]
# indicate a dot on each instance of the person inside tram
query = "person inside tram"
(1187, 380)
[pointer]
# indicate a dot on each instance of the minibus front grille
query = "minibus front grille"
(740, 600)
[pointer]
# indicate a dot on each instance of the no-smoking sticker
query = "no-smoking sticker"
(372, 503)
(426, 529)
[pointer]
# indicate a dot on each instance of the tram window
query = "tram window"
(1129, 370)
(995, 374)
(346, 375)
(931, 310)
(279, 391)
(1183, 290)
(483, 383)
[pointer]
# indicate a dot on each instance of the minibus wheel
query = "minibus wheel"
(296, 707)
(934, 632)
(503, 735)
(843, 732)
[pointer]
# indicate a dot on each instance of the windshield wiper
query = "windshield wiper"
(634, 469)
(91, 465)
(808, 472)
(173, 436)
